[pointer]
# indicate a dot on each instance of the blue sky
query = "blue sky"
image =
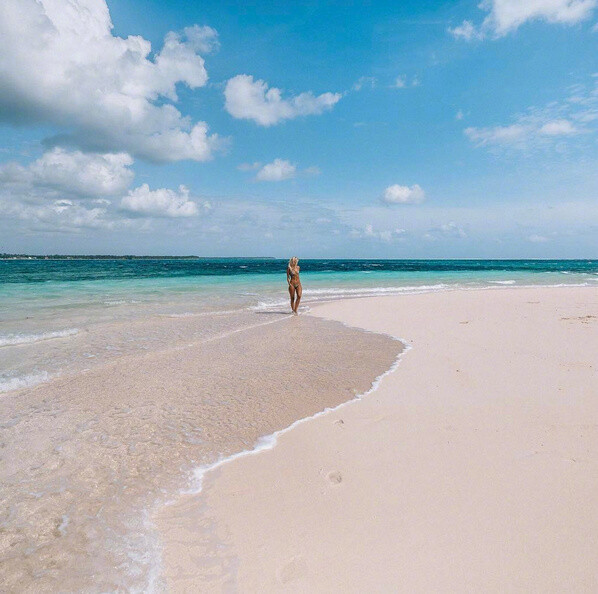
(326, 129)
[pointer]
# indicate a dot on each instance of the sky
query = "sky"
(330, 129)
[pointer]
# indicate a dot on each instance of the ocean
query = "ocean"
(48, 306)
(120, 378)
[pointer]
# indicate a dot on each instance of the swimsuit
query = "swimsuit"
(293, 275)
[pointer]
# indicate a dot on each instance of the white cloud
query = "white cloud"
(497, 134)
(202, 39)
(161, 203)
(55, 216)
(66, 192)
(60, 64)
(558, 128)
(397, 194)
(558, 124)
(505, 16)
(81, 174)
(445, 231)
(253, 100)
(466, 31)
(278, 170)
(520, 136)
(459, 115)
(386, 235)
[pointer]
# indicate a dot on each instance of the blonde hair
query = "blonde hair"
(293, 262)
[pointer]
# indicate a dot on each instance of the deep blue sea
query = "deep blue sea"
(60, 315)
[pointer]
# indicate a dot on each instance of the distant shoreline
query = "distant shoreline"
(131, 257)
(127, 257)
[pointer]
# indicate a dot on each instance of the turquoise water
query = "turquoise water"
(64, 315)
(42, 286)
(93, 463)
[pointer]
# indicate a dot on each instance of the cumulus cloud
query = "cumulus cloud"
(60, 64)
(397, 194)
(250, 99)
(74, 173)
(43, 214)
(505, 16)
(161, 203)
(70, 192)
(278, 170)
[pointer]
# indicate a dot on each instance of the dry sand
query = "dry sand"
(472, 468)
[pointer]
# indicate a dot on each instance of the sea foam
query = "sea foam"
(23, 381)
(16, 339)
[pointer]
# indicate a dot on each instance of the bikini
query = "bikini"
(293, 275)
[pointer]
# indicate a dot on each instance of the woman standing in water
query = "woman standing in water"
(295, 289)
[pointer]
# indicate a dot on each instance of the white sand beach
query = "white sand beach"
(472, 468)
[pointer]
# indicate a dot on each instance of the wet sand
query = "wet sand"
(86, 457)
(472, 468)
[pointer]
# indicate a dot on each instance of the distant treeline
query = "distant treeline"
(108, 257)
(96, 257)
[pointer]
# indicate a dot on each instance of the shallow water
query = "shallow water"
(85, 457)
(65, 316)
(121, 377)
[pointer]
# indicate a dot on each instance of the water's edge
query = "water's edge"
(268, 442)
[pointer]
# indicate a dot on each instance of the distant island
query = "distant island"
(112, 257)
(96, 257)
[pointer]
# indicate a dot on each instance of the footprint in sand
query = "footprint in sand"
(339, 423)
(335, 477)
(293, 569)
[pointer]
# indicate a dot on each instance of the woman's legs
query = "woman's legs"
(292, 294)
(299, 291)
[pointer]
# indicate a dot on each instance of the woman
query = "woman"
(295, 289)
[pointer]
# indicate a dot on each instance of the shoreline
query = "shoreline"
(30, 380)
(269, 441)
(87, 456)
(188, 505)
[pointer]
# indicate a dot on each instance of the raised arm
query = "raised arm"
(288, 276)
